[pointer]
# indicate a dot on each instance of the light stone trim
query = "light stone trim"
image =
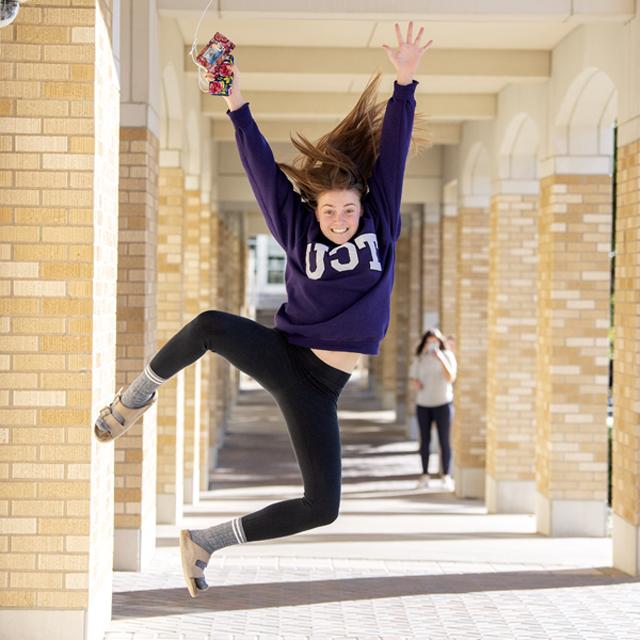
(575, 165)
(510, 496)
(626, 546)
(571, 518)
(469, 482)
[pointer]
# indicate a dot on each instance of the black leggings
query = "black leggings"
(306, 390)
(442, 417)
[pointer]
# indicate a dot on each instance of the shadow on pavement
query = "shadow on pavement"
(163, 602)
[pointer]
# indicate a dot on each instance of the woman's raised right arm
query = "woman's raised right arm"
(279, 203)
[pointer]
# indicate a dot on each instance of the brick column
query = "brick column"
(215, 408)
(206, 302)
(431, 268)
(400, 348)
(408, 310)
(191, 308)
(448, 268)
(135, 494)
(471, 352)
(225, 278)
(170, 473)
(626, 376)
(59, 128)
(573, 320)
(386, 381)
(511, 356)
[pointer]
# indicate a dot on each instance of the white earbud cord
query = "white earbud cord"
(203, 85)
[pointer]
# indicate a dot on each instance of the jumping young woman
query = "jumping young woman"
(339, 231)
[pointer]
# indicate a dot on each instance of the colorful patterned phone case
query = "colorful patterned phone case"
(216, 58)
(216, 48)
(221, 84)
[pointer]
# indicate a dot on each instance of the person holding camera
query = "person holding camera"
(432, 374)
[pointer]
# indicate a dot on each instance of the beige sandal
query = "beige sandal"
(194, 561)
(130, 416)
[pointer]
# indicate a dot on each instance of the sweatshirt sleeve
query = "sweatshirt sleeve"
(385, 183)
(281, 206)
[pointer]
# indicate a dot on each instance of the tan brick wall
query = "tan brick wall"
(511, 357)
(573, 313)
(448, 271)
(170, 319)
(626, 390)
(58, 128)
(191, 308)
(471, 335)
(135, 493)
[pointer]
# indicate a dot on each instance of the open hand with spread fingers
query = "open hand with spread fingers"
(407, 55)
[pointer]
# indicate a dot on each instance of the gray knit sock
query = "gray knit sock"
(136, 395)
(220, 536)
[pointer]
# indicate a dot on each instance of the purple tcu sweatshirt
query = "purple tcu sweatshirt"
(338, 296)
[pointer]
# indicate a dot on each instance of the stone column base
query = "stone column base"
(469, 482)
(510, 496)
(54, 624)
(571, 517)
(133, 548)
(169, 509)
(626, 546)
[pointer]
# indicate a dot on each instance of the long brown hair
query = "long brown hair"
(344, 157)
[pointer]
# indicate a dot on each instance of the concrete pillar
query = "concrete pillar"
(511, 355)
(58, 305)
(191, 308)
(135, 494)
(471, 351)
(573, 321)
(170, 475)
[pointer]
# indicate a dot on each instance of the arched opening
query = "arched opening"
(476, 177)
(518, 151)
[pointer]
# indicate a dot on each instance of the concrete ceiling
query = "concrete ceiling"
(303, 63)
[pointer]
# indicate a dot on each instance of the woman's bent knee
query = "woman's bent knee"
(325, 513)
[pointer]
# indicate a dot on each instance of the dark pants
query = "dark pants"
(306, 390)
(442, 417)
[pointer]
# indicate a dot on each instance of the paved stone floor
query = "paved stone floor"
(398, 563)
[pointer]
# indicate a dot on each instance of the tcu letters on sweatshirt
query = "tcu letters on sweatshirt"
(338, 296)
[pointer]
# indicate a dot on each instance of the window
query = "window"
(276, 262)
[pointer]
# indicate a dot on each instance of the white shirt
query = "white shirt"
(436, 389)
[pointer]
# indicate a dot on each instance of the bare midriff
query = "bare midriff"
(344, 360)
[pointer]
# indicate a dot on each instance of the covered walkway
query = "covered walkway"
(125, 211)
(398, 563)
